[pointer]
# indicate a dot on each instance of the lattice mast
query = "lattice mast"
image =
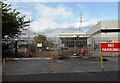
(81, 21)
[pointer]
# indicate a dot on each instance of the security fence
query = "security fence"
(27, 47)
(17, 47)
(47, 48)
(74, 47)
(89, 47)
(95, 46)
(61, 47)
(55, 48)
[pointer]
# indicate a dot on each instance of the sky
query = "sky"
(52, 18)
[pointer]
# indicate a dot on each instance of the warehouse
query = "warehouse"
(75, 43)
(103, 31)
(74, 39)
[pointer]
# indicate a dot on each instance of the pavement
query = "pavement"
(85, 58)
(83, 76)
(34, 58)
(65, 69)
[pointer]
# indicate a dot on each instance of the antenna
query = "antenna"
(81, 20)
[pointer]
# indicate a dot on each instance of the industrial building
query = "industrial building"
(73, 42)
(74, 39)
(103, 31)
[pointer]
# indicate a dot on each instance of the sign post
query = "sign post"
(108, 47)
(4, 64)
(101, 61)
(38, 47)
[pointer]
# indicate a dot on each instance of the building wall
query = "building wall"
(97, 36)
(112, 35)
(112, 24)
(94, 28)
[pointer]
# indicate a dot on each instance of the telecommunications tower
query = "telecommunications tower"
(81, 21)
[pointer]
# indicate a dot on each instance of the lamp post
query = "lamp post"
(16, 50)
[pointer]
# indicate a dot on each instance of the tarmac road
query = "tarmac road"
(66, 69)
(83, 76)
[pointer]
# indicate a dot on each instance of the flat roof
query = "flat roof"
(80, 34)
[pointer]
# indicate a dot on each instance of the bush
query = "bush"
(32, 48)
(6, 51)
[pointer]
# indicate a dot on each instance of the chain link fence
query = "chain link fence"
(56, 48)
(61, 47)
(27, 47)
(21, 47)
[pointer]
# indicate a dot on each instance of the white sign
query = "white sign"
(39, 44)
(47, 48)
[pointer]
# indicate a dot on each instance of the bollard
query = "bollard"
(53, 63)
(3, 66)
(101, 61)
(52, 66)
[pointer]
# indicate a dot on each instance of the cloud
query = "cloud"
(27, 0)
(70, 27)
(28, 14)
(54, 12)
(49, 19)
(47, 22)
(52, 28)
(23, 9)
(63, 0)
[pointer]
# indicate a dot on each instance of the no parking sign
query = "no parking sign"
(110, 46)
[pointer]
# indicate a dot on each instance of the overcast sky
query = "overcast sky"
(52, 18)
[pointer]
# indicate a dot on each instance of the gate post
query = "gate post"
(36, 50)
(38, 47)
(101, 61)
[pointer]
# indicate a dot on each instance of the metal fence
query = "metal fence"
(95, 46)
(89, 47)
(55, 48)
(74, 46)
(17, 47)
(27, 47)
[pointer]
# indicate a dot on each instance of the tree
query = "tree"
(41, 38)
(12, 21)
(45, 42)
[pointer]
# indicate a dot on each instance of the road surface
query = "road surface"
(66, 69)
